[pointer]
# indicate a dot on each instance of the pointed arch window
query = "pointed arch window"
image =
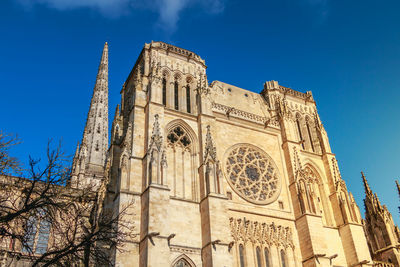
(98, 128)
(241, 256)
(310, 136)
(176, 95)
(182, 263)
(266, 256)
(164, 91)
(283, 259)
(258, 255)
(188, 98)
(299, 131)
(181, 156)
(37, 231)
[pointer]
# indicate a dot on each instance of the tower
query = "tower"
(382, 234)
(90, 155)
(222, 176)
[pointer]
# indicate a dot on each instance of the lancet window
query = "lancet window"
(188, 108)
(164, 91)
(176, 94)
(266, 257)
(241, 256)
(37, 233)
(310, 136)
(258, 255)
(283, 259)
(299, 130)
(182, 162)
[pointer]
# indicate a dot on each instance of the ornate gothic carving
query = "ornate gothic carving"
(212, 165)
(210, 150)
(252, 174)
(229, 111)
(261, 233)
(202, 85)
(157, 161)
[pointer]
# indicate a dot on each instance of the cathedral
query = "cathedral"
(222, 176)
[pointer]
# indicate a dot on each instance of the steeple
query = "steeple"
(368, 190)
(94, 145)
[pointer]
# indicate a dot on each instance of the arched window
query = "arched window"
(164, 91)
(182, 263)
(266, 255)
(299, 132)
(310, 136)
(188, 99)
(176, 95)
(37, 231)
(98, 128)
(181, 156)
(258, 255)
(283, 258)
(241, 256)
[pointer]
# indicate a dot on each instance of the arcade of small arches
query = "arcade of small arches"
(178, 92)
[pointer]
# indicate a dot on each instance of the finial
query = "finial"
(398, 186)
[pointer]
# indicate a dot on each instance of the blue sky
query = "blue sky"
(346, 52)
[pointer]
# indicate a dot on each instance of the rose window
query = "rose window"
(252, 174)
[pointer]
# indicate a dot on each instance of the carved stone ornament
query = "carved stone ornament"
(336, 172)
(261, 233)
(252, 174)
(202, 86)
(156, 138)
(231, 111)
(210, 150)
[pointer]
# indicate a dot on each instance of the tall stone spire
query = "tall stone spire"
(368, 190)
(94, 145)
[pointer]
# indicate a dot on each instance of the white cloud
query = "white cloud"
(169, 10)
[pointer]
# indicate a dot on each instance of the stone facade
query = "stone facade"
(382, 234)
(220, 176)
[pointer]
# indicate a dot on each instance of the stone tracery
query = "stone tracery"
(252, 174)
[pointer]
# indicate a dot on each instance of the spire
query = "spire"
(398, 187)
(95, 134)
(368, 190)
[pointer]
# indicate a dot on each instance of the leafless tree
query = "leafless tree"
(79, 229)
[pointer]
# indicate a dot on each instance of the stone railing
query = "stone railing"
(290, 91)
(181, 51)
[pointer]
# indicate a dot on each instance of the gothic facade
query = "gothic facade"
(220, 176)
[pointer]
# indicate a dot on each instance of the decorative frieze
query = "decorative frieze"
(229, 111)
(243, 230)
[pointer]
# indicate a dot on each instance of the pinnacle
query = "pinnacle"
(368, 190)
